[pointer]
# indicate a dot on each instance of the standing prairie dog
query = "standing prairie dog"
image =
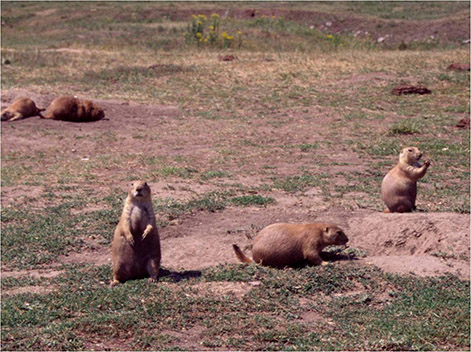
(20, 109)
(399, 186)
(280, 245)
(69, 108)
(136, 243)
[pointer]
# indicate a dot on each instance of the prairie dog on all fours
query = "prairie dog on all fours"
(20, 109)
(399, 186)
(136, 243)
(280, 245)
(69, 108)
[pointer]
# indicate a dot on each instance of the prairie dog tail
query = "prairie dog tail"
(240, 255)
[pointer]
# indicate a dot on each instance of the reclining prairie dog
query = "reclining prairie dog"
(69, 108)
(280, 245)
(20, 109)
(399, 186)
(136, 243)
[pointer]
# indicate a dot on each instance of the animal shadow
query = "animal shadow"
(177, 276)
(339, 255)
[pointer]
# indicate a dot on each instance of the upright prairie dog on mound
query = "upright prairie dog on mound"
(68, 108)
(281, 245)
(21, 108)
(136, 243)
(399, 186)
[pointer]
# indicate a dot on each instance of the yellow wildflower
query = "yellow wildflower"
(211, 28)
(198, 35)
(330, 36)
(214, 15)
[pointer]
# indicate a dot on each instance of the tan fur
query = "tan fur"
(399, 186)
(72, 109)
(21, 108)
(281, 245)
(136, 243)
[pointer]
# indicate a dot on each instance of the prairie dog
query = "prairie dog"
(69, 108)
(280, 245)
(20, 109)
(136, 243)
(399, 186)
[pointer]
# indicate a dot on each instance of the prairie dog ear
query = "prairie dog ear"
(326, 229)
(145, 184)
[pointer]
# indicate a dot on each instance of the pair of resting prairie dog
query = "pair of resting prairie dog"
(66, 108)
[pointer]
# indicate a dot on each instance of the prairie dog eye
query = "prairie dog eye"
(409, 150)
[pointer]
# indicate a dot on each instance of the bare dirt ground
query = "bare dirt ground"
(421, 243)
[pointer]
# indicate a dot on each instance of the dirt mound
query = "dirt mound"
(425, 244)
(463, 123)
(408, 89)
(411, 234)
(458, 67)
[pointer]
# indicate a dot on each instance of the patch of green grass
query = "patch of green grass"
(293, 184)
(307, 147)
(211, 201)
(428, 313)
(208, 175)
(406, 127)
(252, 200)
(29, 239)
(415, 305)
(183, 172)
(32, 238)
(173, 209)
